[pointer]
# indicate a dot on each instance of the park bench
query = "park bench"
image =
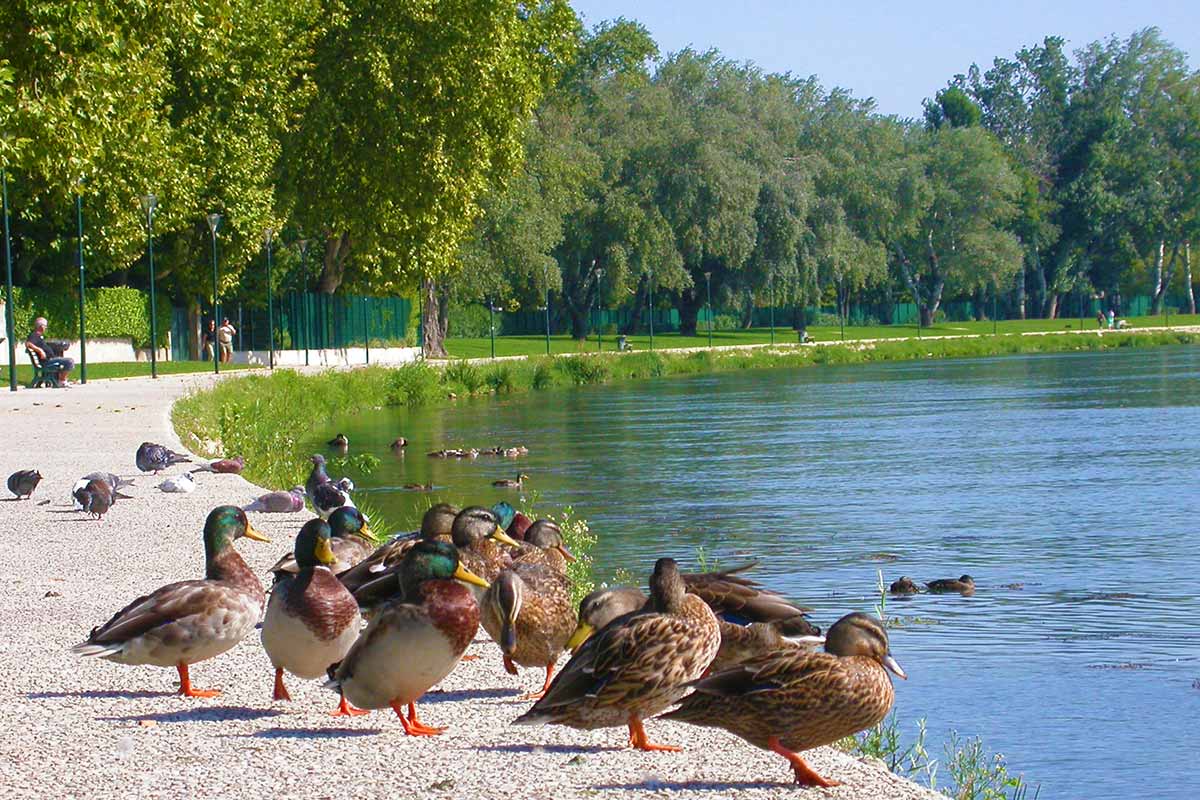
(41, 376)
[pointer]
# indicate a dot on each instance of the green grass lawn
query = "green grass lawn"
(536, 345)
(128, 369)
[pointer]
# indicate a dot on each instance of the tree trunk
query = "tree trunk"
(1158, 276)
(689, 306)
(978, 304)
(333, 263)
(1052, 306)
(1020, 290)
(194, 327)
(1187, 274)
(433, 343)
(581, 323)
(635, 314)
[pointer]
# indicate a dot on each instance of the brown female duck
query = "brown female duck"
(964, 585)
(637, 667)
(543, 544)
(792, 700)
(386, 558)
(905, 585)
(351, 543)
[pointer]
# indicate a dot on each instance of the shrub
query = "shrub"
(725, 322)
(465, 374)
(115, 313)
(413, 385)
(585, 370)
(500, 379)
(468, 322)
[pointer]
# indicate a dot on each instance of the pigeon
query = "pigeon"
(345, 484)
(278, 502)
(113, 483)
(179, 484)
(328, 498)
(232, 466)
(23, 482)
(154, 457)
(95, 498)
(316, 477)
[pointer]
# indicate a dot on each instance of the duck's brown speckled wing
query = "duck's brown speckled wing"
(743, 601)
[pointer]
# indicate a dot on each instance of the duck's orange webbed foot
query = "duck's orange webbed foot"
(545, 686)
(637, 738)
(281, 692)
(185, 685)
(805, 775)
(344, 709)
(412, 725)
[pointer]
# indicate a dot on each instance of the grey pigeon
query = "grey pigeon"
(23, 482)
(154, 457)
(316, 477)
(231, 466)
(279, 502)
(113, 483)
(95, 498)
(327, 498)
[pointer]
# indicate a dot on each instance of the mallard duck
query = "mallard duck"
(732, 598)
(904, 585)
(190, 621)
(312, 620)
(963, 585)
(418, 487)
(351, 543)
(792, 700)
(413, 643)
(633, 670)
(740, 643)
(399, 443)
(528, 611)
(544, 545)
(509, 483)
(385, 560)
(520, 523)
(477, 534)
(339, 442)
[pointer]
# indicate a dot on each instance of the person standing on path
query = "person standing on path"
(225, 339)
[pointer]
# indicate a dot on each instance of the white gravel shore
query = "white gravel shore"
(78, 727)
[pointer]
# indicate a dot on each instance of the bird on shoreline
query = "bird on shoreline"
(350, 543)
(312, 620)
(228, 466)
(151, 457)
(637, 668)
(792, 700)
(278, 502)
(964, 585)
(187, 622)
(543, 544)
(509, 483)
(23, 482)
(178, 484)
(316, 476)
(433, 625)
(375, 578)
(95, 497)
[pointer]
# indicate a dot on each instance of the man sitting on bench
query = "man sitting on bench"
(50, 354)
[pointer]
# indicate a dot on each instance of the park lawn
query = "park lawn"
(536, 345)
(128, 369)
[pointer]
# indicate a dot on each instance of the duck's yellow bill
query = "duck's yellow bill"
(253, 533)
(324, 552)
(582, 633)
(366, 530)
(465, 575)
(501, 536)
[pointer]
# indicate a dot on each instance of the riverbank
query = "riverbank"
(89, 728)
(265, 417)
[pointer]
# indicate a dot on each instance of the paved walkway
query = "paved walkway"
(88, 728)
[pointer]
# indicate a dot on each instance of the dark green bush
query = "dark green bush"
(111, 313)
(468, 322)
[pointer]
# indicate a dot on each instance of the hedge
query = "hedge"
(112, 313)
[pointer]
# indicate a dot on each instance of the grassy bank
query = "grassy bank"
(263, 416)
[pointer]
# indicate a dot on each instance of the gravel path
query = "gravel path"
(88, 728)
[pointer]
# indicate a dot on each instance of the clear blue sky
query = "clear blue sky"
(898, 53)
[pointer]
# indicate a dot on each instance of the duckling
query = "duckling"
(528, 612)
(635, 668)
(544, 545)
(904, 586)
(351, 544)
(183, 623)
(339, 442)
(413, 643)
(793, 700)
(312, 620)
(509, 483)
(965, 585)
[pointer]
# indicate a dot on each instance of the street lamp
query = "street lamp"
(708, 291)
(82, 321)
(596, 307)
(270, 305)
(772, 278)
(546, 281)
(650, 288)
(492, 324)
(149, 204)
(302, 245)
(8, 288)
(214, 222)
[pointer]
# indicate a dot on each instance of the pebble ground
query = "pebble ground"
(87, 728)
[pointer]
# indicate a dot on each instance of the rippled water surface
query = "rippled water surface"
(1064, 484)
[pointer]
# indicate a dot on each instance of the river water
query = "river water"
(1064, 484)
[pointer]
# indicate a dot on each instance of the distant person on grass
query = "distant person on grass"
(49, 353)
(225, 339)
(209, 340)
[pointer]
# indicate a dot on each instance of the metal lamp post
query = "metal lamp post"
(306, 324)
(993, 308)
(492, 324)
(8, 288)
(149, 204)
(82, 286)
(270, 305)
(650, 288)
(546, 281)
(214, 222)
(708, 292)
(772, 278)
(596, 307)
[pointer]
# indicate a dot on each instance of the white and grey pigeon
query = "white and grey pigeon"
(115, 484)
(278, 502)
(181, 484)
(151, 457)
(327, 498)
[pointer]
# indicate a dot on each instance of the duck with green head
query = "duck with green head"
(381, 568)
(413, 643)
(528, 611)
(184, 623)
(312, 620)
(791, 700)
(478, 535)
(351, 543)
